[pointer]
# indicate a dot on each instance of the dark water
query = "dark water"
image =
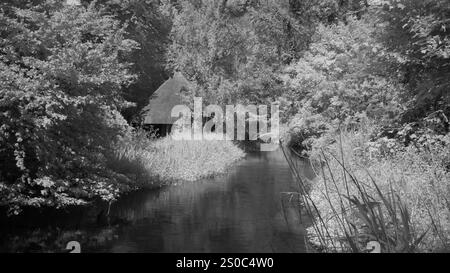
(247, 210)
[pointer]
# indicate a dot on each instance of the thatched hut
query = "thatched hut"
(157, 113)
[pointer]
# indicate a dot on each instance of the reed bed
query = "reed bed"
(400, 201)
(162, 161)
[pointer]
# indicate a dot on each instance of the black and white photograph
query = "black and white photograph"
(225, 127)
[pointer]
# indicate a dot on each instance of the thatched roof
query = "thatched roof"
(164, 99)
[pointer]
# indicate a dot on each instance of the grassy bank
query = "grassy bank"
(379, 191)
(162, 161)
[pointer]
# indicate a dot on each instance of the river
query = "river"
(251, 208)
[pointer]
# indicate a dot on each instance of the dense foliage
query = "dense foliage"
(61, 78)
(419, 32)
(390, 65)
(343, 77)
(371, 105)
(232, 49)
(73, 77)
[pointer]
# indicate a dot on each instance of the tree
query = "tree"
(233, 49)
(344, 78)
(345, 72)
(419, 32)
(61, 75)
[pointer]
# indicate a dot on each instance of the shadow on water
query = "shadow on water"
(246, 210)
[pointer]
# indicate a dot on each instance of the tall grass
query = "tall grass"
(400, 201)
(161, 161)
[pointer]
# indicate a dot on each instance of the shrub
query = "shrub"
(306, 128)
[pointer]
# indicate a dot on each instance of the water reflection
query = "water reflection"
(245, 210)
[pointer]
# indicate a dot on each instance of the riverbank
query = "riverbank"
(379, 190)
(136, 161)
